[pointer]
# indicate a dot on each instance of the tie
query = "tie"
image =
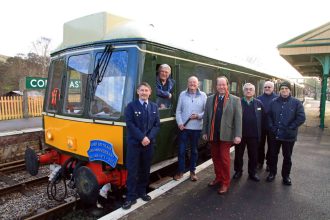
(145, 106)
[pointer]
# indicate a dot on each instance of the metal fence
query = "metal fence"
(11, 107)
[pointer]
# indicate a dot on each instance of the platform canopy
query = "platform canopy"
(309, 54)
(306, 52)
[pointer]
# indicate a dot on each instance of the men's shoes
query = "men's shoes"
(254, 177)
(223, 190)
(237, 175)
(178, 176)
(287, 181)
(193, 176)
(270, 177)
(145, 197)
(213, 183)
(128, 204)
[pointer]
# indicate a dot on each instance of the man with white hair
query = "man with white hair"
(252, 122)
(189, 117)
(164, 86)
(265, 98)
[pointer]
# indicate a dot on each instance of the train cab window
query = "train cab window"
(77, 72)
(164, 86)
(57, 68)
(109, 93)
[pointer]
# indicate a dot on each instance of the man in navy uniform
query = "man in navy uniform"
(142, 123)
(285, 115)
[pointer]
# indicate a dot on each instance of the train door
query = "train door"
(167, 138)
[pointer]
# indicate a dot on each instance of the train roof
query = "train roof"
(103, 26)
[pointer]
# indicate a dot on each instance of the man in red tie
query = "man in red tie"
(222, 127)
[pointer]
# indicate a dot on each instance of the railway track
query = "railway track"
(22, 187)
(12, 166)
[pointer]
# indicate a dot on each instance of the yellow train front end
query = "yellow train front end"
(88, 89)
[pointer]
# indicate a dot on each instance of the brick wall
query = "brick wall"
(12, 147)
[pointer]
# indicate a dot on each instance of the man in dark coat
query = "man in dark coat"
(265, 98)
(164, 86)
(252, 123)
(285, 115)
(142, 123)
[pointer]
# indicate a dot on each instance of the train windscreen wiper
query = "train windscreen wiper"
(100, 69)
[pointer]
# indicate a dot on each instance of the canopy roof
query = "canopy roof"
(303, 52)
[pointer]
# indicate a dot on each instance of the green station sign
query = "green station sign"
(41, 83)
(35, 83)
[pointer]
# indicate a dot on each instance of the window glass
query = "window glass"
(77, 72)
(57, 67)
(205, 76)
(108, 99)
(233, 87)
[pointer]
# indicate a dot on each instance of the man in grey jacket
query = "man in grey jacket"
(222, 127)
(189, 117)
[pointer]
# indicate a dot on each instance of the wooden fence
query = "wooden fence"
(11, 107)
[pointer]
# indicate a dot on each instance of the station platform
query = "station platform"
(307, 198)
(17, 125)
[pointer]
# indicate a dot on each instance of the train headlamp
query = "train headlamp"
(49, 135)
(72, 143)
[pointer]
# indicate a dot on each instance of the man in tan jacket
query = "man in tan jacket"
(222, 127)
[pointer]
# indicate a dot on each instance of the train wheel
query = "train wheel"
(87, 185)
(31, 161)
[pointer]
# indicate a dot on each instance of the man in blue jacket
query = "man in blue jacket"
(285, 115)
(142, 124)
(252, 122)
(265, 98)
(164, 86)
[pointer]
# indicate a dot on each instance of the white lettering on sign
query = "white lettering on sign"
(40, 83)
(75, 84)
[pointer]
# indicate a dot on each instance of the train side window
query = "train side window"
(77, 72)
(233, 87)
(205, 76)
(57, 68)
(165, 85)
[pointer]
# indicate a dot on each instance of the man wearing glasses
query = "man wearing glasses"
(252, 122)
(285, 115)
(265, 98)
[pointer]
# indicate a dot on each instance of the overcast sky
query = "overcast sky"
(235, 29)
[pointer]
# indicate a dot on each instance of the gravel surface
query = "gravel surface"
(17, 205)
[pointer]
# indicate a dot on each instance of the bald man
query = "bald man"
(189, 117)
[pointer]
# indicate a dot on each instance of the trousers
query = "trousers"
(252, 147)
(287, 147)
(138, 162)
(185, 137)
(220, 153)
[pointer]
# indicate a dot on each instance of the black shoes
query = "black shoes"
(287, 181)
(237, 175)
(128, 204)
(145, 197)
(270, 177)
(254, 177)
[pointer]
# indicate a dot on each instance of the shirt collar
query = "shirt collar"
(141, 101)
(248, 102)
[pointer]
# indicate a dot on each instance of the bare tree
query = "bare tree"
(41, 48)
